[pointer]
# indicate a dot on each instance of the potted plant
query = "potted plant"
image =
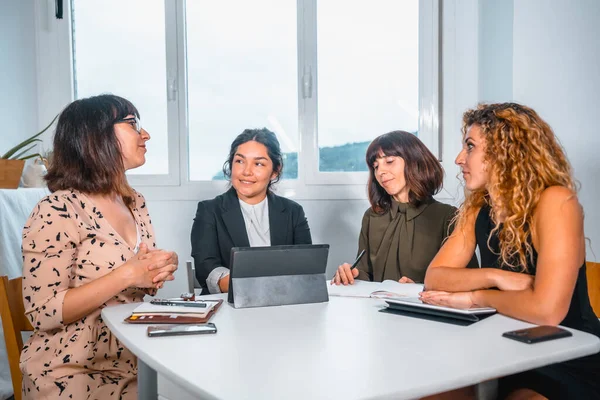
(13, 161)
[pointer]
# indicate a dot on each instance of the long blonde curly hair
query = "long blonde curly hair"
(523, 158)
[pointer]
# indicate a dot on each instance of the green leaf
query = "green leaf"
(22, 153)
(9, 154)
(32, 156)
(26, 142)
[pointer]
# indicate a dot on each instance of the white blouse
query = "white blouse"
(256, 219)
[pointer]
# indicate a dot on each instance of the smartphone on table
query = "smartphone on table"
(538, 334)
(177, 330)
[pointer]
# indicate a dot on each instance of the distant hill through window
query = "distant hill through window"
(348, 157)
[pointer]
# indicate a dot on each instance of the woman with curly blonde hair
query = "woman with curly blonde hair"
(522, 212)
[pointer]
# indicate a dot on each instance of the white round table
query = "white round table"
(343, 349)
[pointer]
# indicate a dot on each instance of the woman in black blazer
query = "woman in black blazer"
(248, 214)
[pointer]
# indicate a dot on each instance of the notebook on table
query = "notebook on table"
(415, 306)
(387, 289)
(147, 313)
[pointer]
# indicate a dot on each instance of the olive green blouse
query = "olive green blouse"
(404, 240)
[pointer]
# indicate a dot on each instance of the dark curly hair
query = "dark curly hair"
(523, 158)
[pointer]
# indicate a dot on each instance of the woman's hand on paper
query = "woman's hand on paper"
(149, 269)
(462, 300)
(344, 275)
(406, 279)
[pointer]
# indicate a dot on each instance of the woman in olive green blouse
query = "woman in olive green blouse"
(404, 228)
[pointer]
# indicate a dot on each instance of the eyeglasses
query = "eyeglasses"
(133, 121)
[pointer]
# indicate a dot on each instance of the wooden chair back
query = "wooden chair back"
(14, 322)
(593, 281)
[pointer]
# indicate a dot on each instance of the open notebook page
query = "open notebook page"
(371, 289)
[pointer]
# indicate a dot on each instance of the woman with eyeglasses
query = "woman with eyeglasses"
(88, 245)
(249, 214)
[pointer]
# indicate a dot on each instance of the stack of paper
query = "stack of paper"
(152, 309)
(147, 313)
(382, 290)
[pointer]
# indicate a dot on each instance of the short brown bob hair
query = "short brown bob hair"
(86, 153)
(423, 173)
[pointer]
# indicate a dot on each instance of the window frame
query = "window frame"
(429, 84)
(311, 183)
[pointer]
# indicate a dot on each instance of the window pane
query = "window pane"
(119, 48)
(242, 73)
(368, 74)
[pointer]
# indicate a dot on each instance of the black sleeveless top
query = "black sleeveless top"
(580, 315)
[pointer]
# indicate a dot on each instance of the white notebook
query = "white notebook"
(383, 290)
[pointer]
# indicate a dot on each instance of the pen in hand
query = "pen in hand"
(357, 260)
(354, 265)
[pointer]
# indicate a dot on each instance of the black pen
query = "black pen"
(357, 260)
(178, 303)
(354, 264)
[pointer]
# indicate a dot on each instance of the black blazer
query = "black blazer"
(219, 226)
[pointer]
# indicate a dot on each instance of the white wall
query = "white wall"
(18, 84)
(495, 50)
(555, 71)
(18, 102)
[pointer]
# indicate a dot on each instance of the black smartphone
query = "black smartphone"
(176, 330)
(538, 334)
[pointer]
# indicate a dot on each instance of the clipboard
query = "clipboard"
(166, 318)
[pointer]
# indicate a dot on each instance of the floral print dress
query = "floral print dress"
(66, 244)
